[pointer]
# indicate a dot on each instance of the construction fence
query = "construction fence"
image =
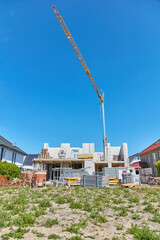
(95, 181)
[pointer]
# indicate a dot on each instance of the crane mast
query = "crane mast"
(98, 90)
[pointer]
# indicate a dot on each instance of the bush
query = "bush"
(10, 170)
(157, 164)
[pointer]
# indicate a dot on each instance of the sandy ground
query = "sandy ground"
(93, 230)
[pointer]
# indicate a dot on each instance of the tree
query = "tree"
(157, 164)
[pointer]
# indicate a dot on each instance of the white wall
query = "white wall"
(88, 148)
(98, 156)
(7, 156)
(71, 152)
(121, 151)
(19, 158)
(90, 166)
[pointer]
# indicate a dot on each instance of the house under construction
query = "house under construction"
(77, 158)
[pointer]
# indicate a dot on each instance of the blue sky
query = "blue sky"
(45, 95)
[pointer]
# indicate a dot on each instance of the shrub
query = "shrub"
(10, 170)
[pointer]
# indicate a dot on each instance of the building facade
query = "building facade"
(151, 155)
(9, 152)
(66, 156)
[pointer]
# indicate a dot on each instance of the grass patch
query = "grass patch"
(17, 234)
(24, 220)
(45, 203)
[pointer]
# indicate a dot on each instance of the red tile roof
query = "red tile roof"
(151, 147)
(139, 164)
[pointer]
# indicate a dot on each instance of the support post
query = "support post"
(104, 130)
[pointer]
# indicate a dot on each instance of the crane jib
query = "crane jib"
(75, 48)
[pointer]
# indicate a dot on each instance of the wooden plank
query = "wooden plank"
(129, 185)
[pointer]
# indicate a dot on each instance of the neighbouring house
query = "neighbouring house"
(135, 161)
(28, 162)
(11, 153)
(66, 156)
(151, 155)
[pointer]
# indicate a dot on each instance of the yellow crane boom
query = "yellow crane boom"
(98, 90)
(75, 48)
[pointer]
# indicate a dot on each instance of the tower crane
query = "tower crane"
(98, 90)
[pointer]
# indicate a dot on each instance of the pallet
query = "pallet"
(129, 185)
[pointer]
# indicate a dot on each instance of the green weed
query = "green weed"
(133, 200)
(136, 216)
(120, 227)
(156, 218)
(50, 222)
(45, 203)
(150, 208)
(53, 236)
(143, 233)
(76, 227)
(75, 238)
